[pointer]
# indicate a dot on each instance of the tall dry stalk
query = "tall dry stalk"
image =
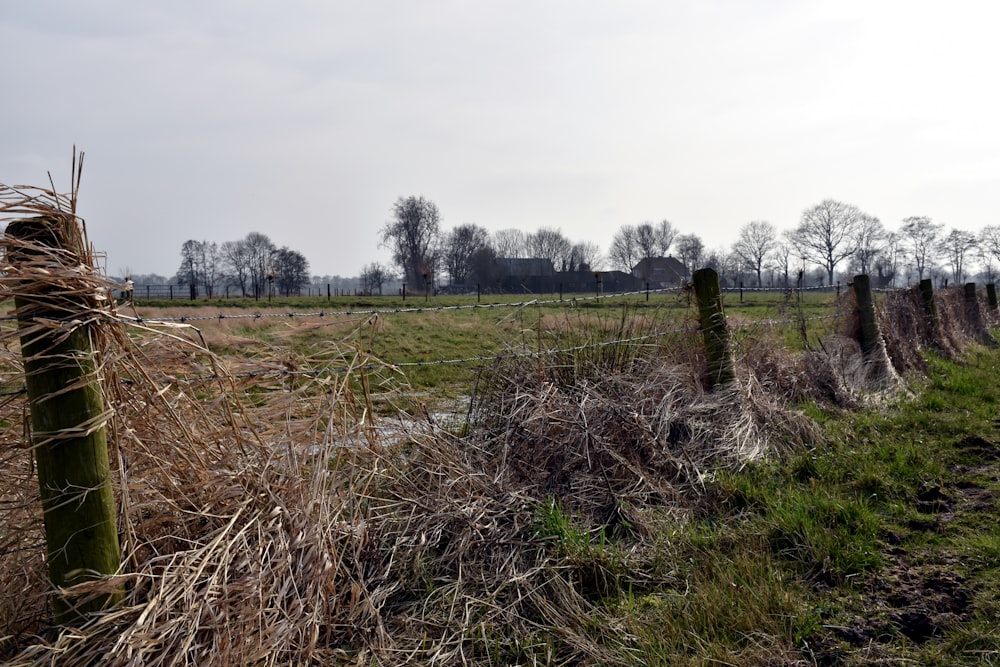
(271, 522)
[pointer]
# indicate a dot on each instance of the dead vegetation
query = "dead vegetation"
(275, 520)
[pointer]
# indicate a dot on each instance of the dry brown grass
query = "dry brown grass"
(298, 530)
(908, 332)
(275, 520)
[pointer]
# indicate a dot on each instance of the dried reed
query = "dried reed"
(277, 521)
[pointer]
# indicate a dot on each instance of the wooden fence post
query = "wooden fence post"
(975, 317)
(868, 332)
(713, 327)
(971, 302)
(869, 336)
(67, 420)
(930, 307)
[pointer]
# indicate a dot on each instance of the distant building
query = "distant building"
(661, 271)
(530, 267)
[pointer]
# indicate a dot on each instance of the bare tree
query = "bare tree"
(827, 234)
(782, 260)
(586, 256)
(869, 244)
(289, 269)
(458, 248)
(200, 266)
(665, 234)
(955, 246)
(756, 241)
(886, 263)
(654, 240)
(624, 250)
(373, 276)
(236, 264)
(485, 269)
(509, 243)
(188, 273)
(921, 235)
(726, 263)
(548, 243)
(258, 255)
(412, 236)
(989, 248)
(646, 241)
(211, 267)
(690, 248)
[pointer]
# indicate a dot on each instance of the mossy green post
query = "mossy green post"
(67, 432)
(868, 334)
(991, 295)
(713, 327)
(930, 307)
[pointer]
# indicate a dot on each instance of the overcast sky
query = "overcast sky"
(305, 120)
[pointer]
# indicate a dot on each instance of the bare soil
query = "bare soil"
(926, 588)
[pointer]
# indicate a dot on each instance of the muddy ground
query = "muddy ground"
(926, 589)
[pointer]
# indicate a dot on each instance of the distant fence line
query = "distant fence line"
(567, 300)
(161, 292)
(264, 371)
(195, 293)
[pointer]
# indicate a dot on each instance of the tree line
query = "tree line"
(253, 264)
(835, 234)
(467, 254)
(828, 237)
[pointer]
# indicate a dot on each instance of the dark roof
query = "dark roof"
(527, 266)
(660, 269)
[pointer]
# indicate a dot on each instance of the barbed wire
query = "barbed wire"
(679, 291)
(257, 315)
(786, 290)
(402, 310)
(569, 301)
(499, 356)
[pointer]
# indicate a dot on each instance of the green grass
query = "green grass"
(419, 341)
(817, 558)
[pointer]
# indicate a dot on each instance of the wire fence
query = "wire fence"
(487, 357)
(490, 357)
(566, 300)
(189, 293)
(329, 369)
(263, 371)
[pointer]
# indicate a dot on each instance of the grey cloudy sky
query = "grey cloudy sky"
(306, 119)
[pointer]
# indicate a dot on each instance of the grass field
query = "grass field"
(593, 504)
(439, 344)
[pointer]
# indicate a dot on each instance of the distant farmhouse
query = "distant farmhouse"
(528, 267)
(661, 271)
(539, 276)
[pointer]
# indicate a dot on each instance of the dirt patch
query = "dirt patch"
(916, 602)
(934, 500)
(922, 592)
(926, 598)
